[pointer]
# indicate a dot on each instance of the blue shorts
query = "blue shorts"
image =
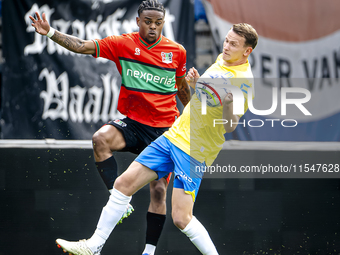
(163, 157)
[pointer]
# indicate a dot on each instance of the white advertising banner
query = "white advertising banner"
(311, 63)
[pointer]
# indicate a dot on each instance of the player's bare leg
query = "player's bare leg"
(158, 196)
(182, 207)
(156, 215)
(106, 140)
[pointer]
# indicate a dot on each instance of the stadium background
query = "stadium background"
(52, 102)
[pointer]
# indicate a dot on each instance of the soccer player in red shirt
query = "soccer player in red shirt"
(152, 68)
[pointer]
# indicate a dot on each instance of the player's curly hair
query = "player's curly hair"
(151, 5)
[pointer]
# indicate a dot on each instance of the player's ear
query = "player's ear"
(248, 51)
(137, 21)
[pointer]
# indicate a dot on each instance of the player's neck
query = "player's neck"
(235, 63)
(148, 42)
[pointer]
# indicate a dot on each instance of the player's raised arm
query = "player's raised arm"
(71, 43)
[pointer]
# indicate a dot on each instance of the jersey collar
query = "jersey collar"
(150, 46)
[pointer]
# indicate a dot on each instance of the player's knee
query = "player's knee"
(121, 183)
(180, 220)
(158, 192)
(99, 140)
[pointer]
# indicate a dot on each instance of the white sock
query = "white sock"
(199, 236)
(95, 243)
(111, 214)
(149, 249)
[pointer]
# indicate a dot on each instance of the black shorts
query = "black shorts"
(137, 136)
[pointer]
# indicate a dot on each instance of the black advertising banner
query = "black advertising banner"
(50, 92)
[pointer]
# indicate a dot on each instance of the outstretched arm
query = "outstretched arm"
(71, 43)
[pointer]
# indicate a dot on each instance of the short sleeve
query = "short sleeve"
(182, 66)
(106, 48)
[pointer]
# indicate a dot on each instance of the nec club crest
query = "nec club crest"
(167, 57)
(120, 122)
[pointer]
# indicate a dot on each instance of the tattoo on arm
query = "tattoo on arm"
(183, 93)
(69, 42)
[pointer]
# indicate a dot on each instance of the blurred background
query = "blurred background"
(52, 101)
